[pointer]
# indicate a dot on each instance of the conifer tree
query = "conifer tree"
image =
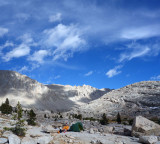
(18, 129)
(7, 101)
(104, 120)
(118, 118)
(6, 108)
(32, 117)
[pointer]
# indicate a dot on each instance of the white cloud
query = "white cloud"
(155, 77)
(24, 68)
(141, 32)
(3, 31)
(55, 18)
(113, 72)
(136, 50)
(39, 56)
(7, 44)
(89, 73)
(57, 77)
(20, 51)
(65, 40)
(27, 39)
(134, 54)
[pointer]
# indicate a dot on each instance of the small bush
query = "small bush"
(18, 131)
(91, 119)
(45, 116)
(130, 121)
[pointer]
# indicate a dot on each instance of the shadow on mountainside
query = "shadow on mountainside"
(94, 95)
(57, 99)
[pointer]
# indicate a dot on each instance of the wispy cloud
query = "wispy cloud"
(155, 77)
(20, 51)
(113, 72)
(22, 16)
(23, 69)
(55, 18)
(57, 77)
(38, 56)
(7, 44)
(141, 32)
(136, 50)
(65, 39)
(3, 31)
(89, 73)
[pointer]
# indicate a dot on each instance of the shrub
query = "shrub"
(77, 116)
(104, 120)
(130, 121)
(45, 116)
(91, 119)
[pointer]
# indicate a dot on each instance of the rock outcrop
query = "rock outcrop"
(142, 98)
(142, 126)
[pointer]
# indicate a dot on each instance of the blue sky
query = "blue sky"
(102, 43)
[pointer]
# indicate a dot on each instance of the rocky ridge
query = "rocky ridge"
(141, 98)
(54, 97)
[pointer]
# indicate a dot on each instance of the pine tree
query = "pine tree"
(118, 118)
(104, 120)
(18, 129)
(7, 101)
(32, 117)
(6, 108)
(19, 111)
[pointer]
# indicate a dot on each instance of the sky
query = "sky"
(102, 43)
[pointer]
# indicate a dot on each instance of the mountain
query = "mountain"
(33, 94)
(142, 98)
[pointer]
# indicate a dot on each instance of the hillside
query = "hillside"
(142, 98)
(54, 97)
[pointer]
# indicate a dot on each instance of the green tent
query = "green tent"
(77, 127)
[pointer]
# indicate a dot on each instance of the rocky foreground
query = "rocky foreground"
(142, 131)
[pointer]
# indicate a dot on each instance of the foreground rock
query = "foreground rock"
(148, 139)
(142, 126)
(13, 139)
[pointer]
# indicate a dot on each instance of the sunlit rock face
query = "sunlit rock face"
(142, 98)
(54, 97)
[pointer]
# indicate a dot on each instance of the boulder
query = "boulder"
(148, 139)
(28, 140)
(91, 131)
(127, 132)
(49, 129)
(43, 139)
(6, 134)
(3, 140)
(108, 129)
(57, 125)
(142, 126)
(13, 139)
